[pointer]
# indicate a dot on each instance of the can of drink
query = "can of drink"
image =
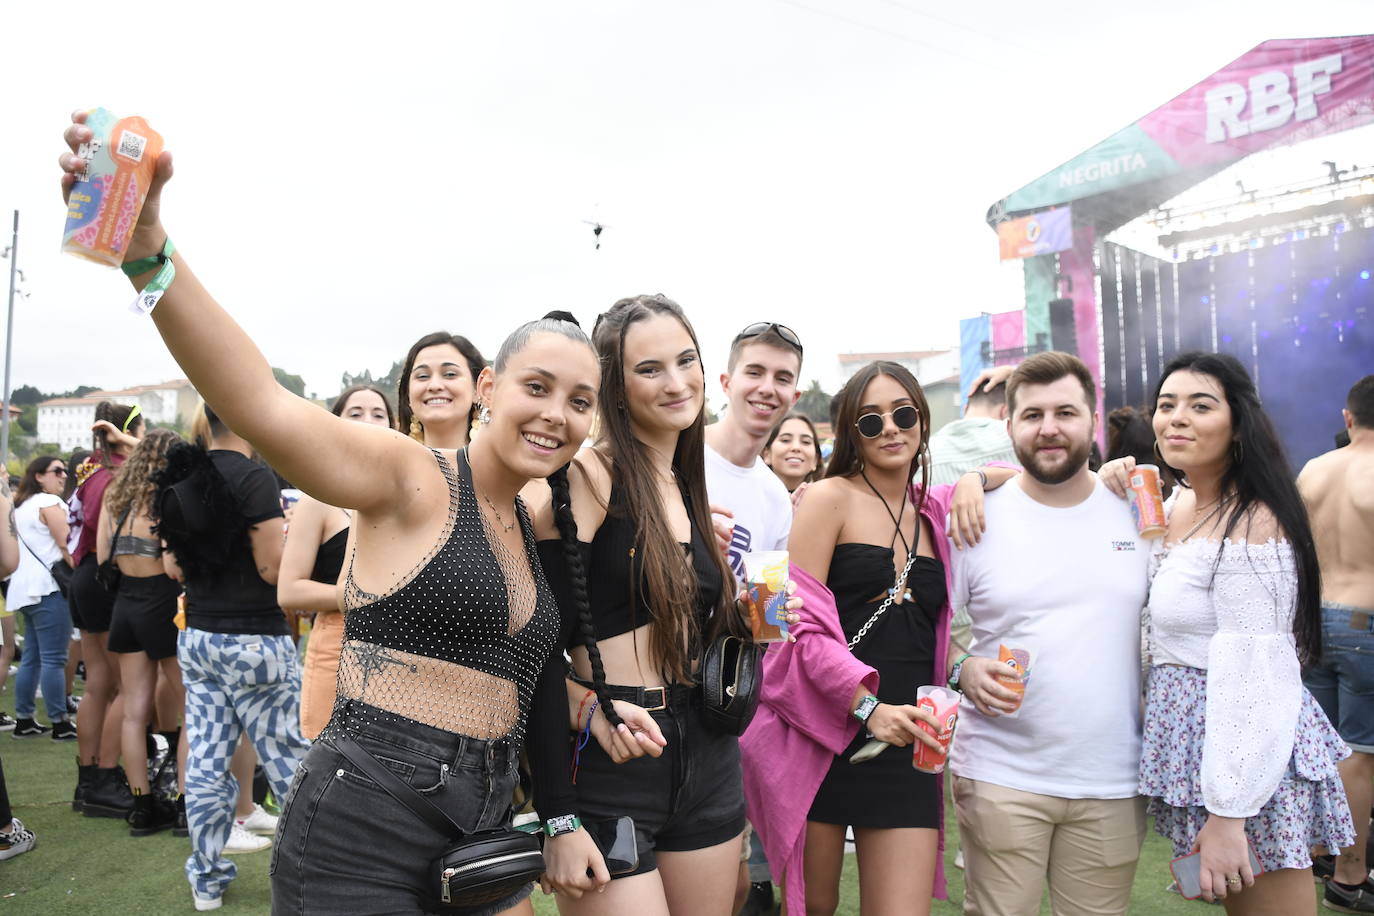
(119, 161)
(1018, 660)
(1147, 501)
(766, 577)
(943, 704)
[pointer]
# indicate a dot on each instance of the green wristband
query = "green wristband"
(166, 273)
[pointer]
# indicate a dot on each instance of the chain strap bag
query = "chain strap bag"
(480, 868)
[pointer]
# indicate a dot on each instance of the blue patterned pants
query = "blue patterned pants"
(234, 684)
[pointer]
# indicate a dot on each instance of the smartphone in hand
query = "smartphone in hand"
(1187, 871)
(615, 837)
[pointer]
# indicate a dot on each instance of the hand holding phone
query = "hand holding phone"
(1187, 871)
(870, 750)
(615, 837)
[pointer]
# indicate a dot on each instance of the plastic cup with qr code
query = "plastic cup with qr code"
(111, 188)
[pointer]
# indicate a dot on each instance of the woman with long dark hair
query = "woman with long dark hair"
(311, 561)
(639, 567)
(449, 623)
(1236, 752)
(143, 632)
(873, 531)
(793, 451)
(40, 520)
(435, 393)
(102, 789)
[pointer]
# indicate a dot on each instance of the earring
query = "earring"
(484, 415)
(1237, 452)
(1158, 457)
(417, 429)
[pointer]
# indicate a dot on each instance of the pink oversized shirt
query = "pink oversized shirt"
(804, 720)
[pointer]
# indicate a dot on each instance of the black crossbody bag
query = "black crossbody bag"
(480, 868)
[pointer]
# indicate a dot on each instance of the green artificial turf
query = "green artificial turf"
(87, 865)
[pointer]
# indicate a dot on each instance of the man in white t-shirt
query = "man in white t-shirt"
(760, 379)
(1048, 792)
(761, 382)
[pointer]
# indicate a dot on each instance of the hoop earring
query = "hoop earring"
(1237, 452)
(484, 415)
(417, 429)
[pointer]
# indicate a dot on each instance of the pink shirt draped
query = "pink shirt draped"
(803, 719)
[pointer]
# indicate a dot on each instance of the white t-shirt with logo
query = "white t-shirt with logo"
(759, 500)
(1067, 585)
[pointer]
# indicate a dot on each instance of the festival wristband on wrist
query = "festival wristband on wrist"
(865, 708)
(957, 670)
(562, 824)
(166, 272)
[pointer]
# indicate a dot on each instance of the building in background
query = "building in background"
(67, 421)
(936, 370)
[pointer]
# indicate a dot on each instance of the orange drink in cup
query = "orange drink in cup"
(766, 577)
(1147, 501)
(1018, 660)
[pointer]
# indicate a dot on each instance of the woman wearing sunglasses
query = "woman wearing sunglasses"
(40, 520)
(877, 541)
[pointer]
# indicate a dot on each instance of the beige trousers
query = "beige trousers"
(1015, 841)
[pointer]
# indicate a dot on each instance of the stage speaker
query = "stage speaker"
(1063, 333)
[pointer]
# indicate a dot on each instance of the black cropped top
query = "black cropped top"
(471, 620)
(329, 558)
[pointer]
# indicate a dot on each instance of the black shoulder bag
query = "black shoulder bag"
(731, 678)
(59, 570)
(481, 868)
(107, 573)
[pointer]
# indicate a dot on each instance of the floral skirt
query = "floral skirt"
(1308, 807)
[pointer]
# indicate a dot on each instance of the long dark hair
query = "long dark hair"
(29, 486)
(471, 355)
(117, 415)
(340, 402)
(846, 460)
(1259, 475)
(195, 512)
(670, 581)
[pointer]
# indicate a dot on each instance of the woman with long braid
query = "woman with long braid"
(636, 559)
(449, 622)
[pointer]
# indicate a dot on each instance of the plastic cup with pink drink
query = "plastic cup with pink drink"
(943, 704)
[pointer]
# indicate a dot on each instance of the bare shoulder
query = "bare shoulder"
(1259, 525)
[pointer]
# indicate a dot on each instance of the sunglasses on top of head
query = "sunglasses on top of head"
(870, 425)
(759, 328)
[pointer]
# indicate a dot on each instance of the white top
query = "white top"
(964, 445)
(760, 501)
(1068, 586)
(1238, 627)
(31, 580)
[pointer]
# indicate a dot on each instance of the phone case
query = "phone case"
(1187, 872)
(615, 837)
(870, 750)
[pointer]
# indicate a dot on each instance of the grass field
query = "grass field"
(91, 865)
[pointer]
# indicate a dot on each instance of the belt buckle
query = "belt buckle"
(662, 699)
(1359, 620)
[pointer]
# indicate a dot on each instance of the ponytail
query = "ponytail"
(577, 578)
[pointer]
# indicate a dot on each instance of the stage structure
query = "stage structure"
(1277, 276)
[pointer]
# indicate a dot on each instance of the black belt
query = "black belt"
(652, 699)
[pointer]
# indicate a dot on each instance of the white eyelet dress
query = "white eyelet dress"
(1229, 728)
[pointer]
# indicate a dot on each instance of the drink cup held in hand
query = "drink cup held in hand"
(766, 577)
(119, 161)
(943, 704)
(1018, 661)
(1147, 501)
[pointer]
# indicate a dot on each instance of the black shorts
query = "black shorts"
(144, 616)
(90, 604)
(691, 797)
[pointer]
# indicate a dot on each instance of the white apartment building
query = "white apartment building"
(67, 421)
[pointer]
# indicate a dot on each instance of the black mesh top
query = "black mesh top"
(460, 643)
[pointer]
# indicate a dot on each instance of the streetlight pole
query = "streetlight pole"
(9, 348)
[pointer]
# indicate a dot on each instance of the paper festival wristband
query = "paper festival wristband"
(150, 295)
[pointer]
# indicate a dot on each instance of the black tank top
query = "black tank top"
(472, 619)
(329, 558)
(616, 584)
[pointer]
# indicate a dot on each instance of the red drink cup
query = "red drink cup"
(943, 704)
(1147, 501)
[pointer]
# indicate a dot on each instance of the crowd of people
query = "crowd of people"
(523, 583)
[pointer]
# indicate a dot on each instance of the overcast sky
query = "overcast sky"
(351, 176)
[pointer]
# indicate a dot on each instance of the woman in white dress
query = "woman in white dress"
(1236, 750)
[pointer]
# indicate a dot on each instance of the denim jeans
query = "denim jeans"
(47, 632)
(1343, 682)
(344, 845)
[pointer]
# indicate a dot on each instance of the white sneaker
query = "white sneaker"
(259, 821)
(241, 840)
(18, 840)
(205, 903)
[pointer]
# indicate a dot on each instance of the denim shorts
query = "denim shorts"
(690, 797)
(344, 845)
(1343, 682)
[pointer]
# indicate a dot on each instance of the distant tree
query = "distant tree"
(815, 403)
(28, 420)
(386, 382)
(292, 383)
(80, 391)
(25, 395)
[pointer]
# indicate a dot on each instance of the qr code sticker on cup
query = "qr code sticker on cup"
(131, 145)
